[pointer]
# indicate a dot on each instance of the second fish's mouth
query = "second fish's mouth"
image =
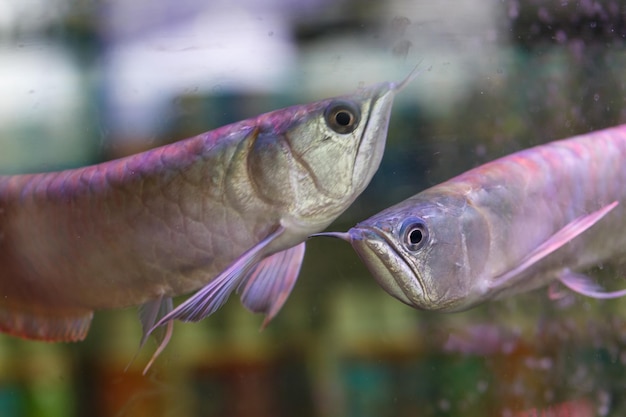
(387, 265)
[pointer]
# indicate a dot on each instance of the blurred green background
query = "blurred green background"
(87, 81)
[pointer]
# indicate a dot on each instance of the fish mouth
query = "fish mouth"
(374, 138)
(386, 263)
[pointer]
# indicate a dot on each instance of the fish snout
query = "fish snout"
(386, 266)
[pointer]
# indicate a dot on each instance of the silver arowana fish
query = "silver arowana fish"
(226, 210)
(523, 221)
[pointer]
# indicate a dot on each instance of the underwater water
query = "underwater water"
(84, 83)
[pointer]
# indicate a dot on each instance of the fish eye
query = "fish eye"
(414, 234)
(342, 117)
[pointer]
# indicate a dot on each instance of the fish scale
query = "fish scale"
(541, 215)
(209, 213)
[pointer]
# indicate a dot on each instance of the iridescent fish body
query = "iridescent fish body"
(226, 210)
(535, 217)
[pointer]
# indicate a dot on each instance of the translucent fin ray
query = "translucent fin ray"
(584, 285)
(150, 313)
(269, 284)
(556, 241)
(212, 296)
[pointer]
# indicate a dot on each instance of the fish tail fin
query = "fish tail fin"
(44, 325)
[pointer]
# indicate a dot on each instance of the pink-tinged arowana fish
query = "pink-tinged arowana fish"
(535, 217)
(226, 210)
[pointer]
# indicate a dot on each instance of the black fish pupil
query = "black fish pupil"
(343, 118)
(415, 236)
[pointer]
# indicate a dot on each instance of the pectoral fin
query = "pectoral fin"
(271, 281)
(584, 285)
(556, 241)
(212, 296)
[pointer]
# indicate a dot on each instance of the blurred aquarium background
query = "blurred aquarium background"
(87, 81)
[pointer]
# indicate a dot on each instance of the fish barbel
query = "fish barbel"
(520, 222)
(226, 210)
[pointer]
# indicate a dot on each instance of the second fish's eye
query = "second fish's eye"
(342, 117)
(414, 233)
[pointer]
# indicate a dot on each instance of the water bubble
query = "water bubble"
(513, 10)
(548, 395)
(544, 15)
(444, 405)
(604, 400)
(399, 25)
(545, 363)
(401, 48)
(561, 36)
(482, 386)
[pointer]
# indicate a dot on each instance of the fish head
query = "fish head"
(428, 253)
(315, 159)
